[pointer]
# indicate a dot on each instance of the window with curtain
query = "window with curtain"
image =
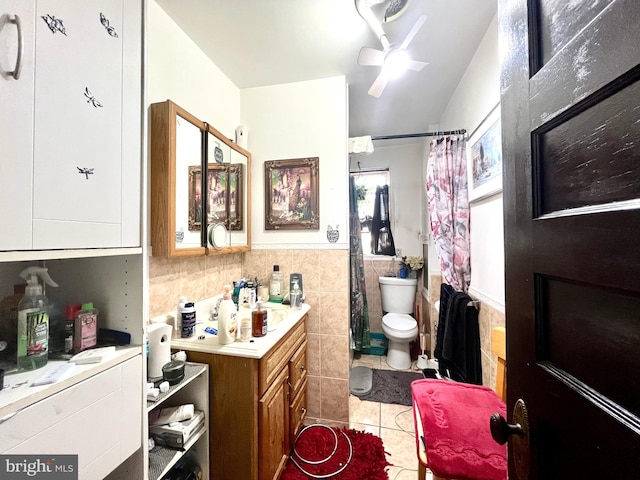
(372, 189)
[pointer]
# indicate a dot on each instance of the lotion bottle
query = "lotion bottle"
(226, 316)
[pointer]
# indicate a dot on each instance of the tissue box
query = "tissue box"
(177, 434)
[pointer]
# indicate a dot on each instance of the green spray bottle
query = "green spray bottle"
(33, 320)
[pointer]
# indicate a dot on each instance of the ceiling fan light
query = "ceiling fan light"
(396, 63)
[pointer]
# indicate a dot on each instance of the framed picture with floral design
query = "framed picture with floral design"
(484, 158)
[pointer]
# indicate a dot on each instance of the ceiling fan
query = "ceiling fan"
(393, 59)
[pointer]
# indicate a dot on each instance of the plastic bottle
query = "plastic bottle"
(275, 286)
(70, 316)
(85, 328)
(259, 321)
(295, 296)
(226, 316)
(33, 320)
(188, 320)
(177, 325)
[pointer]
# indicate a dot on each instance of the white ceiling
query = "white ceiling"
(267, 42)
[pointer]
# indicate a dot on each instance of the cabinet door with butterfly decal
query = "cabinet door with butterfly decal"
(86, 103)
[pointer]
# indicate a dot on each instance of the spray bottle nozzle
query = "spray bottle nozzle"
(31, 274)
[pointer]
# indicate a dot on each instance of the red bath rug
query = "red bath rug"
(341, 454)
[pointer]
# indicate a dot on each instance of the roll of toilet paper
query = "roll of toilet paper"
(159, 348)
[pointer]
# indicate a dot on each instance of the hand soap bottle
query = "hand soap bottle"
(33, 320)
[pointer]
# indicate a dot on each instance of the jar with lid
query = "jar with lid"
(259, 321)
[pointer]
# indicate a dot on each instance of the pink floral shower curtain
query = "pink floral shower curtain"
(449, 208)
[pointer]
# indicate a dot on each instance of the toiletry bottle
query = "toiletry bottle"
(9, 318)
(70, 316)
(259, 321)
(295, 296)
(177, 326)
(188, 320)
(33, 321)
(226, 316)
(85, 328)
(275, 287)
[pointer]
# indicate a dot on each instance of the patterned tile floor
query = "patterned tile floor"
(393, 423)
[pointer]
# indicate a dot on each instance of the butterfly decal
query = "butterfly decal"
(91, 98)
(85, 171)
(54, 24)
(105, 23)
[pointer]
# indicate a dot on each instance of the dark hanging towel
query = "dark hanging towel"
(459, 345)
(381, 237)
(446, 291)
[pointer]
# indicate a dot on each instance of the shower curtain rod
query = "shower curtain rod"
(415, 135)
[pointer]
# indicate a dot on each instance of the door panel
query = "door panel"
(570, 84)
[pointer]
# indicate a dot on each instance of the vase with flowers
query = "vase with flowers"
(410, 267)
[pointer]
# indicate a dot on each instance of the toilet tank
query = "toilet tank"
(398, 294)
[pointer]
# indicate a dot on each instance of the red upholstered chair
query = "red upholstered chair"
(453, 438)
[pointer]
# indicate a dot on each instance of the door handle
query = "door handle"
(517, 433)
(16, 71)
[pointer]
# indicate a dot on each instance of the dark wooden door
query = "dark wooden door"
(570, 108)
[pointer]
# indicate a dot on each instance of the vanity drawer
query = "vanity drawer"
(297, 412)
(298, 369)
(278, 357)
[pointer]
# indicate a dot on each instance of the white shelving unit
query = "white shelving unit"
(194, 388)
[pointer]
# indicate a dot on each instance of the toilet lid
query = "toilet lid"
(399, 321)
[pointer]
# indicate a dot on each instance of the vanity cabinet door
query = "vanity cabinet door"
(273, 447)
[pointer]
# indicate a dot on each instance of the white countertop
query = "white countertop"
(256, 348)
(18, 392)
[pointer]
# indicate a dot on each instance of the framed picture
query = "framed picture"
(291, 194)
(484, 158)
(195, 198)
(236, 207)
(224, 196)
(218, 194)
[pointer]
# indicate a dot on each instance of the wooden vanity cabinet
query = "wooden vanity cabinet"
(256, 408)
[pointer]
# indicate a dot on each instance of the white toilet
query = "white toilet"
(398, 297)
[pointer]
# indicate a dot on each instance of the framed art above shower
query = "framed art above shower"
(484, 158)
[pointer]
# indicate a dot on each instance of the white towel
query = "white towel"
(360, 144)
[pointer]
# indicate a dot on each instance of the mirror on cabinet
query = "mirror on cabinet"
(227, 186)
(199, 187)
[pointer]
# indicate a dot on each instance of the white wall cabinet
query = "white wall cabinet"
(71, 163)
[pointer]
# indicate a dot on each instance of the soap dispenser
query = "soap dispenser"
(33, 320)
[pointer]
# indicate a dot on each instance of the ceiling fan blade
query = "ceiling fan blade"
(378, 86)
(414, 30)
(416, 66)
(370, 56)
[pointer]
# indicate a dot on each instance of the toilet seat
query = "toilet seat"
(399, 322)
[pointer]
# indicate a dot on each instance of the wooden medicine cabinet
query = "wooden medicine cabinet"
(200, 183)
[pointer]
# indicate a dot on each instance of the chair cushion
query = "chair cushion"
(455, 421)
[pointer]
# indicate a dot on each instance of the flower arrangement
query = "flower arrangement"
(412, 265)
